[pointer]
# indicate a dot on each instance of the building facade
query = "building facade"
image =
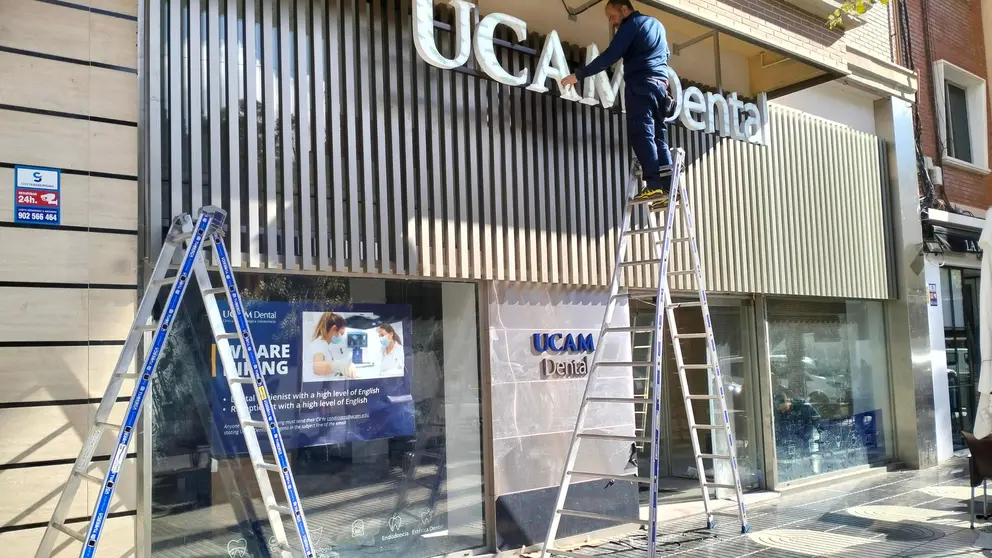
(951, 61)
(402, 164)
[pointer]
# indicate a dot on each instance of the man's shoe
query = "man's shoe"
(661, 204)
(648, 194)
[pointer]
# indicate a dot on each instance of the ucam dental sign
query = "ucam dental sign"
(699, 111)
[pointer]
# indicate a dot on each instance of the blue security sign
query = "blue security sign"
(37, 195)
(562, 343)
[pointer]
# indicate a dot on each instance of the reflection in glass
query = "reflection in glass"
(960, 294)
(830, 386)
(400, 492)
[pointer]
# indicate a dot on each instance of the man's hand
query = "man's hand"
(570, 80)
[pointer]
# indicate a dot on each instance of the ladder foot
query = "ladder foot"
(746, 529)
(710, 523)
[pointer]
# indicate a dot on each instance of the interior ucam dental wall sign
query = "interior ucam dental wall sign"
(709, 112)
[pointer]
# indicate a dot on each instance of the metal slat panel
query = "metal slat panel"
(338, 211)
(422, 91)
(367, 132)
(156, 87)
(398, 70)
(469, 208)
(251, 121)
(449, 158)
(515, 237)
(234, 78)
(500, 154)
(544, 198)
(439, 173)
(286, 136)
(573, 193)
(834, 252)
(351, 181)
(271, 116)
(878, 269)
(803, 186)
(488, 127)
(462, 117)
(409, 109)
(377, 100)
(304, 148)
(215, 86)
(552, 168)
(195, 116)
(175, 108)
(587, 199)
(322, 145)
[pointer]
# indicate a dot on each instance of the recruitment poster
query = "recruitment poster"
(334, 374)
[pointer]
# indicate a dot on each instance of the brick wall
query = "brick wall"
(956, 35)
(875, 35)
(774, 22)
(68, 100)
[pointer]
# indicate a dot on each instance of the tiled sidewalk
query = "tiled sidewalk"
(899, 514)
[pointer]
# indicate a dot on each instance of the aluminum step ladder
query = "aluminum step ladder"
(678, 207)
(206, 231)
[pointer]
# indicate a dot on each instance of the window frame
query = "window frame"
(975, 90)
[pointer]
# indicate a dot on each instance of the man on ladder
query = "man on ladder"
(641, 42)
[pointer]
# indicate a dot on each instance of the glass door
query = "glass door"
(960, 304)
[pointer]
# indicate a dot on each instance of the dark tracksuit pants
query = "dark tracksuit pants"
(647, 105)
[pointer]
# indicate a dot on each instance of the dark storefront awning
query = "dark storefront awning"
(947, 232)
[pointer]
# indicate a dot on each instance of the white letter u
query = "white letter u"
(423, 36)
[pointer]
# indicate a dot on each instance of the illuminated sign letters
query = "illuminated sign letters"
(712, 113)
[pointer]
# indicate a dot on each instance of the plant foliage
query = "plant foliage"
(851, 7)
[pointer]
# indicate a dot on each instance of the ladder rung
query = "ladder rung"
(228, 336)
(709, 426)
(253, 424)
(269, 467)
(632, 329)
(703, 397)
(714, 456)
(612, 518)
(71, 532)
(89, 477)
(159, 283)
(635, 400)
(622, 363)
(148, 327)
(566, 554)
(627, 478)
(693, 304)
(282, 509)
(240, 380)
(110, 425)
(716, 485)
(697, 366)
(692, 336)
(128, 376)
(213, 292)
(682, 272)
(652, 261)
(645, 230)
(617, 437)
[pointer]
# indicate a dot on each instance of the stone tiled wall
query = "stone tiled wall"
(68, 100)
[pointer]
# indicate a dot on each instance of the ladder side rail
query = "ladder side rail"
(714, 357)
(261, 393)
(110, 395)
(662, 247)
(152, 359)
(229, 366)
(583, 407)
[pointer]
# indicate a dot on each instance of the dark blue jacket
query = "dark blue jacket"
(642, 43)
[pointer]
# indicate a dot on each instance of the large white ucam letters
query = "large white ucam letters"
(712, 113)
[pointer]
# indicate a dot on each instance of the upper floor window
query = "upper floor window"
(962, 117)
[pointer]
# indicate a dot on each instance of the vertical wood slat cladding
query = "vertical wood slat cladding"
(340, 150)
